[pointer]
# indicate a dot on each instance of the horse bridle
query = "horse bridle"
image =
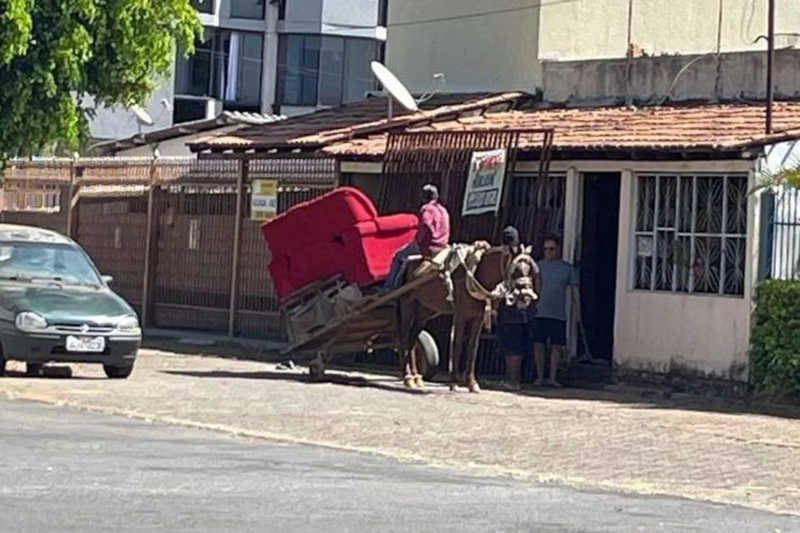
(522, 256)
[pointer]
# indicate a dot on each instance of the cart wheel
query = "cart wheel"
(427, 355)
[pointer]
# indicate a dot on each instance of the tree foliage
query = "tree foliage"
(56, 53)
(788, 177)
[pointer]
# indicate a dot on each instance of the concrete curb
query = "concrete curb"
(200, 339)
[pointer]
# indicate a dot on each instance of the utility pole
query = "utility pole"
(770, 62)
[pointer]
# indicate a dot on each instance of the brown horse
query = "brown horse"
(468, 306)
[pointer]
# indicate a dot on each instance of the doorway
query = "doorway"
(598, 263)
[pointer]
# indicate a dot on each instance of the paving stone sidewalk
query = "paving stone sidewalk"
(578, 438)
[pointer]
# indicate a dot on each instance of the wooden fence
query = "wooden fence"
(176, 234)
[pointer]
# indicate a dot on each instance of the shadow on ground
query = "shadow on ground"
(638, 398)
(636, 395)
(223, 351)
(52, 372)
(387, 384)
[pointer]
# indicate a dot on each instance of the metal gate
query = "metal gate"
(780, 238)
(210, 265)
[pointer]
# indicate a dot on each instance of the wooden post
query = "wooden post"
(237, 246)
(74, 193)
(770, 62)
(338, 182)
(70, 194)
(502, 216)
(150, 242)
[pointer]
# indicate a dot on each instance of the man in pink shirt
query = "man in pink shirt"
(433, 235)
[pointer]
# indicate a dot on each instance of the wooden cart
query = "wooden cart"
(330, 317)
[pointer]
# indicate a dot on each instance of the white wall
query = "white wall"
(353, 13)
(174, 147)
(502, 51)
(494, 52)
(691, 333)
(353, 18)
(659, 331)
(118, 122)
(270, 60)
(596, 29)
(221, 17)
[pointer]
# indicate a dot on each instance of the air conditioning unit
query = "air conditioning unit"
(189, 108)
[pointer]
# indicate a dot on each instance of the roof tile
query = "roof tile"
(685, 127)
(344, 122)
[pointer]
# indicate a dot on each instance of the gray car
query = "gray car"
(56, 307)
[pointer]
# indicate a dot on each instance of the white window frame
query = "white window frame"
(692, 234)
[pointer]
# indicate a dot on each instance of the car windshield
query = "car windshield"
(35, 261)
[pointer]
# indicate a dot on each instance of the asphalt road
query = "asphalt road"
(67, 470)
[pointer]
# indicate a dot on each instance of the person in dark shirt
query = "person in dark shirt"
(432, 237)
(514, 324)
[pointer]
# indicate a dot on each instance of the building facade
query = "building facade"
(579, 46)
(667, 248)
(264, 56)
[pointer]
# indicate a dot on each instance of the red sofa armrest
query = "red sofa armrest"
(401, 222)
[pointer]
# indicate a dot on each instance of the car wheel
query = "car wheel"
(34, 369)
(2, 364)
(118, 372)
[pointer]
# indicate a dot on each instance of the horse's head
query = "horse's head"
(519, 273)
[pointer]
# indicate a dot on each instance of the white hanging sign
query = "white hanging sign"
(484, 191)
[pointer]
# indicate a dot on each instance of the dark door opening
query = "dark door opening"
(598, 262)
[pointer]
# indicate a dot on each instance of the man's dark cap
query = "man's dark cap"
(430, 192)
(510, 236)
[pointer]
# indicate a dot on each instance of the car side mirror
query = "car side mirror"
(108, 280)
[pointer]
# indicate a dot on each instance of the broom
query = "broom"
(587, 354)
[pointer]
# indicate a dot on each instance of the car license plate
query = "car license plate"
(85, 344)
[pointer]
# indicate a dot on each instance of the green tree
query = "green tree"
(788, 176)
(56, 53)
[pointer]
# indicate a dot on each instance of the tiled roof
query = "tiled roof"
(688, 127)
(347, 121)
(223, 120)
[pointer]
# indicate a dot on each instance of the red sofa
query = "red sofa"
(337, 233)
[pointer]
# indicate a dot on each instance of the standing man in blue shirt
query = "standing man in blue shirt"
(558, 279)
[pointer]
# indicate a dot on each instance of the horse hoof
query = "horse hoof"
(474, 388)
(419, 382)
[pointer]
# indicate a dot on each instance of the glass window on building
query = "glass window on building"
(193, 74)
(358, 77)
(329, 71)
(247, 9)
(227, 65)
(204, 6)
(298, 66)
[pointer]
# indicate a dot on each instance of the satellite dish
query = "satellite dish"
(141, 115)
(394, 86)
